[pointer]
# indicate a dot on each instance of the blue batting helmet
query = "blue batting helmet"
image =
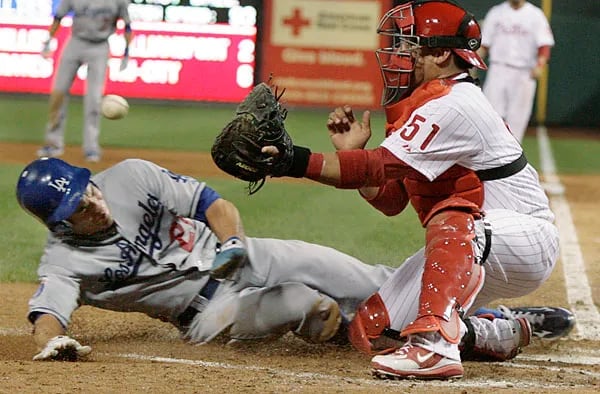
(51, 189)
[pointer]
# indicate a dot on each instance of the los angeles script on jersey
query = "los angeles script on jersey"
(148, 238)
(146, 241)
(127, 269)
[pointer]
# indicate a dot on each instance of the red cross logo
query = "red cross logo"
(296, 21)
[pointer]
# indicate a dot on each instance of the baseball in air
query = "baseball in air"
(114, 107)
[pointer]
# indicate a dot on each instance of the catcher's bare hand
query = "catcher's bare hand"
(340, 119)
(270, 150)
(62, 348)
(345, 131)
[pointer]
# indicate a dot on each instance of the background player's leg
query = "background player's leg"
(97, 60)
(495, 88)
(520, 104)
(58, 101)
(55, 128)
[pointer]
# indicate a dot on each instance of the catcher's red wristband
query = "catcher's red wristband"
(353, 168)
(315, 166)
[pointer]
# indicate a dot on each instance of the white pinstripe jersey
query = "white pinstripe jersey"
(513, 36)
(462, 128)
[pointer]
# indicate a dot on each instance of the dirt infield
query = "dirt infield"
(133, 353)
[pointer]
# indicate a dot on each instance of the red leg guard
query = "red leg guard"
(451, 278)
(369, 323)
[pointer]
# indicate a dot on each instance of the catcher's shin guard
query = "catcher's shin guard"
(369, 332)
(451, 277)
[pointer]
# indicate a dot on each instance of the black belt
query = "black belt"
(503, 171)
(191, 311)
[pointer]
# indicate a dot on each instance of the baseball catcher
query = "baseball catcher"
(259, 122)
(448, 153)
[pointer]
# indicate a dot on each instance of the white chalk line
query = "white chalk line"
(563, 359)
(470, 383)
(579, 293)
(577, 356)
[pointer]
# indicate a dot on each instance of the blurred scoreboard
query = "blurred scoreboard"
(193, 50)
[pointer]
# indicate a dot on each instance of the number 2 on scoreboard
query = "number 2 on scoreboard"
(410, 130)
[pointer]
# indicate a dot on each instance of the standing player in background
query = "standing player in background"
(489, 228)
(517, 38)
(93, 22)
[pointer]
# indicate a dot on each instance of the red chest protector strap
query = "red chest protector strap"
(399, 113)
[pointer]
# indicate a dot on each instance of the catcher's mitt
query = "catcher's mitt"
(259, 122)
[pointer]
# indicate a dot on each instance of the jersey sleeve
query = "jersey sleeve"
(391, 199)
(435, 137)
(543, 33)
(57, 293)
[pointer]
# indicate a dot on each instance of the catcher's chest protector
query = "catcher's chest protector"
(457, 181)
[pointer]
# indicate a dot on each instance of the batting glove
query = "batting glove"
(62, 348)
(124, 60)
(231, 255)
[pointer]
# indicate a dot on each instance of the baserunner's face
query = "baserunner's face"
(92, 214)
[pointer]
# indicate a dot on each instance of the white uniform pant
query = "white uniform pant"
(511, 91)
(76, 53)
(523, 253)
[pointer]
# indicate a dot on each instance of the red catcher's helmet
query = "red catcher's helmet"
(424, 23)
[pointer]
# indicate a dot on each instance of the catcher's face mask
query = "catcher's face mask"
(423, 23)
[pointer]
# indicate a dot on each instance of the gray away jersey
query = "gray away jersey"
(94, 20)
(157, 248)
